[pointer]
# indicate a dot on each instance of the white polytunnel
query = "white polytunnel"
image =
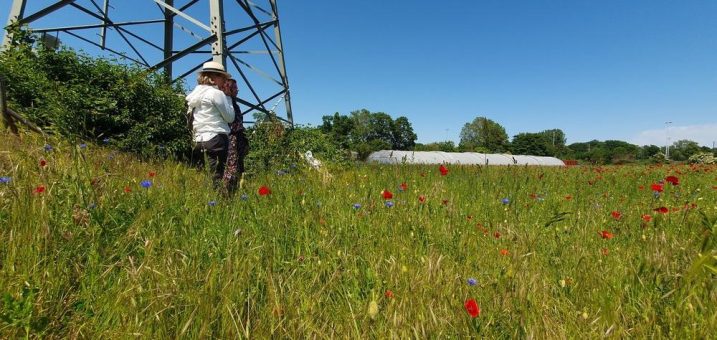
(465, 158)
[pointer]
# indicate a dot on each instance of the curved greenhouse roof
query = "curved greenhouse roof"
(466, 158)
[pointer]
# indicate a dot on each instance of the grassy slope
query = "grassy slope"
(94, 260)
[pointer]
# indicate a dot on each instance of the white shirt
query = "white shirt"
(213, 111)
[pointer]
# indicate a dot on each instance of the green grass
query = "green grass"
(86, 259)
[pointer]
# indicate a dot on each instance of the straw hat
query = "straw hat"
(214, 67)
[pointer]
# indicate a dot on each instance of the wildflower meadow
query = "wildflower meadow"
(98, 244)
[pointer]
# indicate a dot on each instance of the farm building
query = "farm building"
(465, 158)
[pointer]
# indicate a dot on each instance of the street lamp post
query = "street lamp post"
(667, 142)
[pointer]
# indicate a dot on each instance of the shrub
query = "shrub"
(702, 158)
(78, 96)
(275, 146)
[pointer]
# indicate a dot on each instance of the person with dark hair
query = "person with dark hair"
(212, 111)
(238, 143)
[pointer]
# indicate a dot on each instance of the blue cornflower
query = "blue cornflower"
(146, 183)
(5, 180)
(92, 206)
(282, 172)
(244, 197)
(48, 147)
(472, 282)
(656, 194)
(505, 200)
(357, 205)
(106, 140)
(83, 146)
(212, 203)
(389, 204)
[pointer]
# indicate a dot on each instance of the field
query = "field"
(96, 244)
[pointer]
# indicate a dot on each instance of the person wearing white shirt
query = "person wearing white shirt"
(212, 112)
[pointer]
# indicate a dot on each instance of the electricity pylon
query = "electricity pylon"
(176, 36)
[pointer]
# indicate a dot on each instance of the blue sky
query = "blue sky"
(595, 69)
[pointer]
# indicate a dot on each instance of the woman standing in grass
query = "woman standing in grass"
(212, 112)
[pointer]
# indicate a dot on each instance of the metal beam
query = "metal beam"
(181, 54)
(216, 22)
(168, 39)
(282, 64)
(45, 11)
(16, 12)
(82, 27)
(183, 15)
(103, 32)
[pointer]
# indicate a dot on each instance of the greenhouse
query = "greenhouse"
(466, 158)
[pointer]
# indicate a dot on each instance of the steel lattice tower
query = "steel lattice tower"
(170, 35)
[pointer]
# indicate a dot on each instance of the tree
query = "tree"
(681, 150)
(554, 140)
(339, 128)
(483, 133)
(403, 136)
(647, 151)
(445, 146)
(380, 128)
(527, 143)
(620, 152)
(364, 131)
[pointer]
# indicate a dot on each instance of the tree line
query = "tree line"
(364, 132)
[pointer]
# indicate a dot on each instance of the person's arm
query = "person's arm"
(224, 105)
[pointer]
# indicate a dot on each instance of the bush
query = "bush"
(78, 96)
(275, 146)
(702, 158)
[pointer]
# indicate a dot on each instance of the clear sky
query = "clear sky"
(595, 69)
(609, 69)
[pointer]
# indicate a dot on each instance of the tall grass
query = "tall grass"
(99, 255)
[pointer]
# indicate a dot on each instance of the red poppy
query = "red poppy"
(43, 163)
(504, 252)
(422, 199)
(647, 218)
(568, 197)
(152, 174)
(388, 294)
(496, 234)
(616, 215)
(404, 186)
(387, 195)
(673, 180)
(264, 190)
(533, 196)
(40, 189)
(642, 187)
(127, 189)
(662, 210)
(606, 234)
(443, 170)
(472, 308)
(656, 187)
